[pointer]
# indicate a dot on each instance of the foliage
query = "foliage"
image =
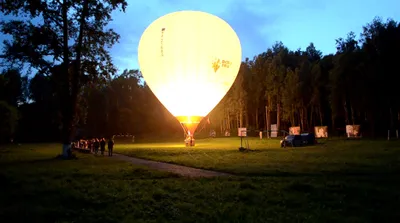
(122, 105)
(13, 87)
(65, 38)
(356, 85)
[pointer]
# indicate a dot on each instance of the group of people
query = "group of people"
(189, 141)
(96, 144)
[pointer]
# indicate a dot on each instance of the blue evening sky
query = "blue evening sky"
(258, 23)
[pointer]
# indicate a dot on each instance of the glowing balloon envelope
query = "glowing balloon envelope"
(189, 59)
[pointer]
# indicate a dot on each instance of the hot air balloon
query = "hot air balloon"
(189, 59)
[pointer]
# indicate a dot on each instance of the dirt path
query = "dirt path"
(173, 168)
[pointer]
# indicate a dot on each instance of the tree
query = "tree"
(256, 88)
(12, 87)
(70, 34)
(343, 78)
(239, 93)
(291, 96)
(356, 85)
(380, 43)
(8, 121)
(40, 89)
(312, 53)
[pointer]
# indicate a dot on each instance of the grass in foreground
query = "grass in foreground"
(37, 188)
(331, 157)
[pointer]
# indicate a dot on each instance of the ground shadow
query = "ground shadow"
(36, 161)
(341, 173)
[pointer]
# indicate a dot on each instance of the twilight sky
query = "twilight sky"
(258, 23)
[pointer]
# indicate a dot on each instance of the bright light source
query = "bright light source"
(189, 59)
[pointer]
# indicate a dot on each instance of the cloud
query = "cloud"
(254, 26)
(258, 23)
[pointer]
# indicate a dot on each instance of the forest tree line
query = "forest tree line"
(356, 85)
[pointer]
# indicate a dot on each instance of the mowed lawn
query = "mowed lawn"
(36, 187)
(333, 156)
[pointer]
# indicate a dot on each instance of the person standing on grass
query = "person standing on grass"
(93, 143)
(110, 146)
(102, 146)
(90, 145)
(96, 146)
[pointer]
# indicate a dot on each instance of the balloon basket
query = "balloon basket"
(189, 142)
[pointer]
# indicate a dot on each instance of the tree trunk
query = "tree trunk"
(237, 120)
(221, 123)
(398, 119)
(398, 116)
(372, 123)
(305, 122)
(292, 119)
(352, 114)
(320, 116)
(71, 93)
(278, 117)
(240, 118)
(246, 115)
(346, 113)
(256, 119)
(391, 119)
(265, 120)
(310, 123)
(66, 113)
(333, 122)
(225, 121)
(268, 120)
(229, 122)
(301, 119)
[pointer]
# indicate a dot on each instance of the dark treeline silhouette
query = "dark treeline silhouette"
(122, 105)
(356, 85)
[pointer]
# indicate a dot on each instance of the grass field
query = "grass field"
(331, 157)
(38, 188)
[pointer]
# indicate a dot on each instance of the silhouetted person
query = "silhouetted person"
(102, 146)
(96, 146)
(90, 145)
(110, 146)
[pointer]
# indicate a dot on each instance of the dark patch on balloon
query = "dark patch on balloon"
(162, 40)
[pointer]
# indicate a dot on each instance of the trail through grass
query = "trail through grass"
(333, 157)
(38, 188)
